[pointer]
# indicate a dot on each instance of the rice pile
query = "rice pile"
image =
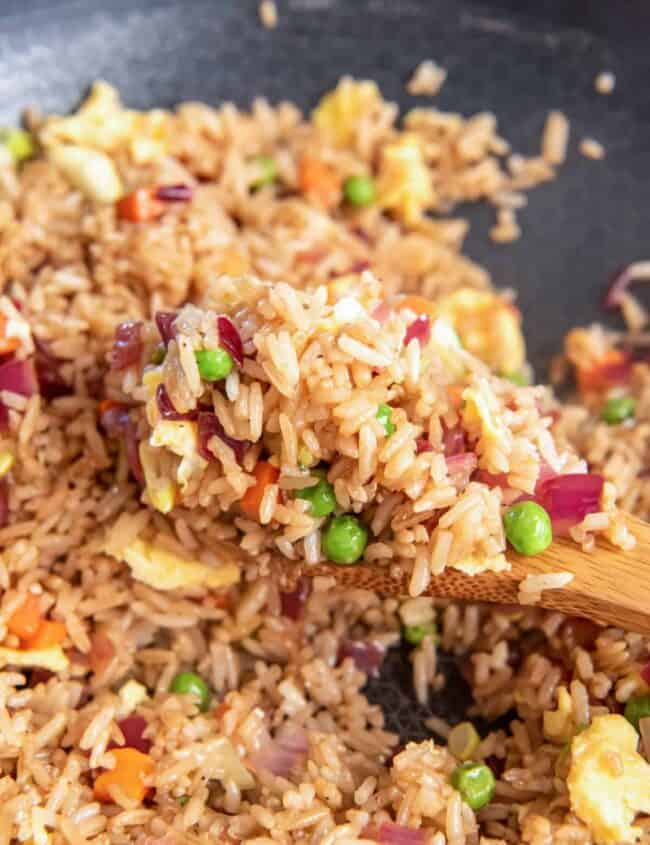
(94, 748)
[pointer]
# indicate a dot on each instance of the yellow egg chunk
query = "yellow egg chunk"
(164, 570)
(404, 185)
(52, 658)
(488, 326)
(339, 110)
(609, 781)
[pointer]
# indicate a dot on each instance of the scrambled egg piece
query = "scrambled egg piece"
(228, 765)
(164, 570)
(480, 415)
(131, 694)
(488, 327)
(52, 658)
(473, 565)
(339, 110)
(181, 438)
(609, 781)
(404, 184)
(89, 171)
(160, 490)
(102, 123)
(559, 724)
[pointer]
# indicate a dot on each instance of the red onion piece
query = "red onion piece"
(280, 755)
(293, 603)
(509, 495)
(644, 731)
(133, 727)
(453, 441)
(460, 468)
(167, 409)
(422, 444)
(420, 329)
(396, 834)
(569, 498)
(230, 340)
(366, 654)
(645, 672)
(165, 324)
(4, 504)
(174, 193)
(114, 417)
(209, 427)
(51, 383)
(127, 346)
(4, 418)
(19, 377)
(622, 279)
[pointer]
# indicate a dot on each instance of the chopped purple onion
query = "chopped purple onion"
(230, 339)
(165, 323)
(423, 444)
(420, 330)
(280, 755)
(569, 498)
(19, 376)
(131, 447)
(133, 728)
(167, 409)
(293, 603)
(174, 193)
(396, 834)
(127, 346)
(366, 654)
(114, 418)
(51, 383)
(209, 427)
(460, 467)
(117, 423)
(453, 441)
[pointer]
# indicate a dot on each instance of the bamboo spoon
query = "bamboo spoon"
(609, 585)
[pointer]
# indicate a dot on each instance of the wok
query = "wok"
(517, 58)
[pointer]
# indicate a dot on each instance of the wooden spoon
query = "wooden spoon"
(609, 585)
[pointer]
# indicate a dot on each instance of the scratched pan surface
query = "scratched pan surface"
(517, 58)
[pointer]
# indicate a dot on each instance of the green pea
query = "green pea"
(475, 782)
(359, 190)
(345, 539)
(19, 142)
(618, 409)
(267, 171)
(636, 709)
(320, 495)
(158, 355)
(528, 528)
(518, 377)
(183, 800)
(384, 415)
(414, 634)
(213, 364)
(189, 683)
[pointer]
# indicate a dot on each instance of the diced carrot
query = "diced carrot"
(140, 206)
(131, 769)
(417, 304)
(265, 474)
(7, 344)
(25, 621)
(614, 368)
(319, 181)
(47, 634)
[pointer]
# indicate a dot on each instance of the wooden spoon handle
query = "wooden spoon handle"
(609, 585)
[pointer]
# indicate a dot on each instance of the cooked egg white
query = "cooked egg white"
(164, 570)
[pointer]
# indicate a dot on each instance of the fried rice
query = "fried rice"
(276, 742)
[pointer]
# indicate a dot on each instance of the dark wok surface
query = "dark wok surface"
(517, 58)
